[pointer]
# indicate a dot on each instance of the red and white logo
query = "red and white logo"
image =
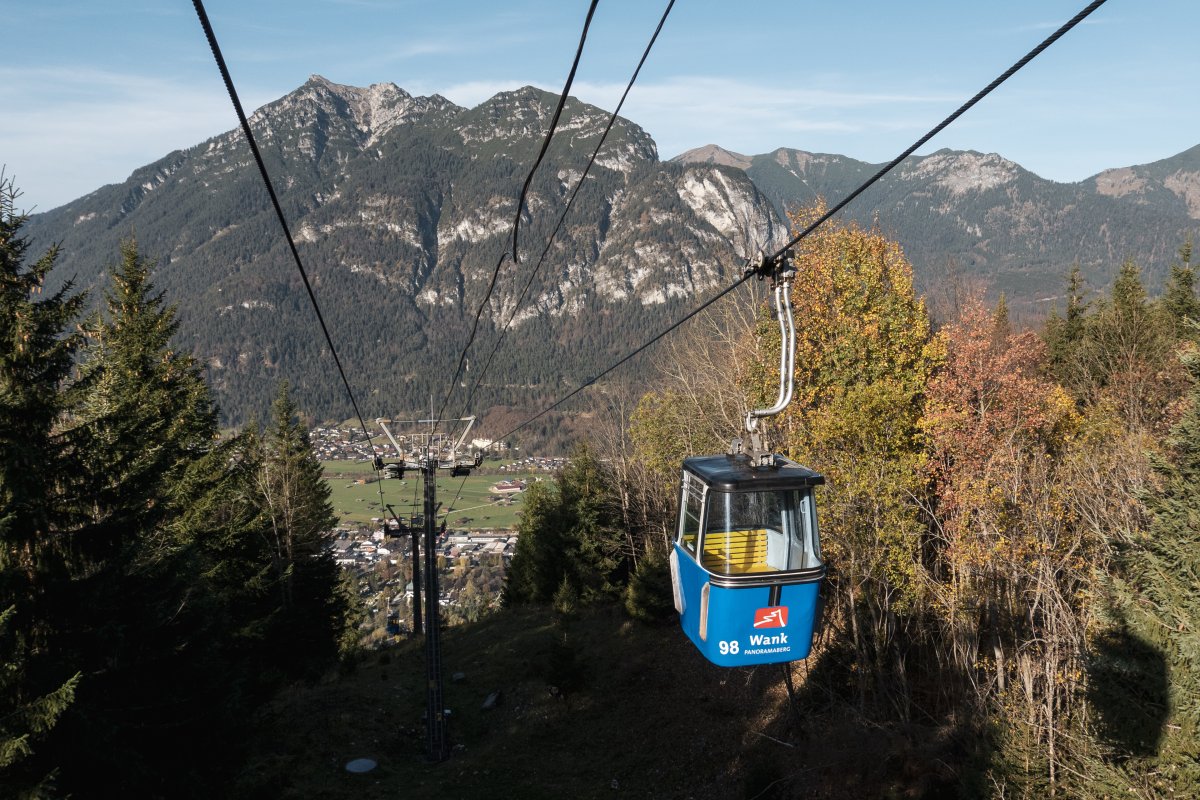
(773, 617)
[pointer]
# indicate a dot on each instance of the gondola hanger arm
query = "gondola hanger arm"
(781, 270)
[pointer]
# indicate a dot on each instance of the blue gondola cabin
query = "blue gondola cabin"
(746, 565)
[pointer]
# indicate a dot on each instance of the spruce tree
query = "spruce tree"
(131, 614)
(1157, 607)
(1001, 325)
(35, 359)
(298, 519)
(538, 563)
(570, 535)
(1125, 356)
(145, 412)
(1179, 298)
(1064, 335)
(1168, 569)
(24, 721)
(596, 565)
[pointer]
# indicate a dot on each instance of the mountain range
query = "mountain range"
(402, 206)
(1016, 231)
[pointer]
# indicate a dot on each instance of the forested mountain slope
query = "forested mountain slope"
(401, 207)
(1017, 232)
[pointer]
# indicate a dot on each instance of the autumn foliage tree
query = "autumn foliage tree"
(700, 402)
(986, 489)
(864, 353)
(1005, 562)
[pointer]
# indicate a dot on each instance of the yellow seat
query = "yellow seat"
(736, 552)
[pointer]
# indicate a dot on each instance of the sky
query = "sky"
(90, 91)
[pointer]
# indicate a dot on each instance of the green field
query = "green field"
(472, 510)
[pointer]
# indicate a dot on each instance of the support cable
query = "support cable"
(262, 169)
(457, 494)
(1049, 40)
(590, 381)
(563, 216)
(984, 92)
(562, 101)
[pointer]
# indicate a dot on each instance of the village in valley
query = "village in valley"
(373, 543)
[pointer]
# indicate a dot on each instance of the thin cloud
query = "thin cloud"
(710, 95)
(810, 126)
(382, 5)
(1046, 27)
(100, 127)
(429, 47)
(686, 111)
(729, 94)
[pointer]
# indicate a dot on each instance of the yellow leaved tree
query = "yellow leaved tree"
(864, 354)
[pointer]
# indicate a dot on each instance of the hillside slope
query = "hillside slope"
(591, 706)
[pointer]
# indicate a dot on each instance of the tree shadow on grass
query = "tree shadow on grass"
(851, 743)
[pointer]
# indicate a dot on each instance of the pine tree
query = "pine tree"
(596, 565)
(35, 359)
(22, 722)
(1063, 335)
(537, 565)
(569, 535)
(1125, 355)
(299, 519)
(1001, 325)
(1169, 567)
(145, 413)
(142, 422)
(1179, 298)
(1157, 607)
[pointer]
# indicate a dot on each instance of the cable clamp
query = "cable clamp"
(756, 451)
(780, 268)
(759, 266)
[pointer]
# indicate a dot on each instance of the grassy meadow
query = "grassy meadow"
(471, 505)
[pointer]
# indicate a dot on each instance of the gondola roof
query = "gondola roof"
(726, 473)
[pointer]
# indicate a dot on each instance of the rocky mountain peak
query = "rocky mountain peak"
(1179, 175)
(374, 109)
(523, 115)
(1119, 182)
(714, 154)
(368, 112)
(521, 112)
(964, 171)
(416, 222)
